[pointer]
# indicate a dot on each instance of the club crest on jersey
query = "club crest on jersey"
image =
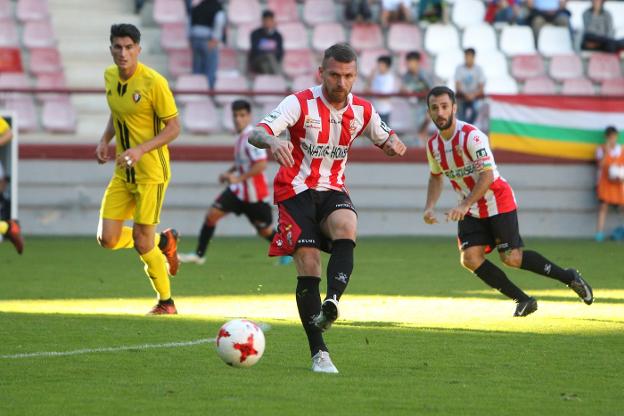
(458, 151)
(136, 97)
(352, 127)
(311, 123)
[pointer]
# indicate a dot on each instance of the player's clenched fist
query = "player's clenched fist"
(394, 146)
(429, 217)
(101, 152)
(282, 152)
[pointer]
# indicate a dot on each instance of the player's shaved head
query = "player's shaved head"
(123, 30)
(341, 52)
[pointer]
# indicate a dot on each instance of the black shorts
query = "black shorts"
(499, 231)
(258, 213)
(300, 219)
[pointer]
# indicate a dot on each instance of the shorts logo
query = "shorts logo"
(288, 229)
(306, 241)
(502, 246)
(344, 205)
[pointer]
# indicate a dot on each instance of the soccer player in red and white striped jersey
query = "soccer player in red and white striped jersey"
(315, 211)
(486, 211)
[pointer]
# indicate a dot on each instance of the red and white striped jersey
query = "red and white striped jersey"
(461, 159)
(255, 188)
(321, 138)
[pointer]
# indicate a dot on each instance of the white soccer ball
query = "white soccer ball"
(240, 343)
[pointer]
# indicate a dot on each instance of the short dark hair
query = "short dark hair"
(386, 59)
(441, 90)
(268, 13)
(241, 105)
(470, 51)
(413, 55)
(610, 130)
(123, 30)
(341, 52)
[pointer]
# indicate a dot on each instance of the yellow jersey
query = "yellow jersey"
(4, 126)
(138, 107)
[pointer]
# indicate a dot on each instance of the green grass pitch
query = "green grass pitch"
(420, 335)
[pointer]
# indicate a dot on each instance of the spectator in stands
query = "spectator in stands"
(433, 11)
(469, 85)
(382, 81)
(547, 11)
(395, 11)
(507, 11)
(358, 10)
(267, 51)
(598, 30)
(206, 33)
(418, 81)
(610, 160)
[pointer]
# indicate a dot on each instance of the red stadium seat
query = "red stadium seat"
(49, 81)
(366, 36)
(59, 116)
(285, 10)
(613, 86)
(325, 35)
(180, 62)
(368, 60)
(233, 83)
(8, 34)
(228, 60)
(169, 11)
(243, 35)
(11, 59)
(298, 62)
(243, 11)
(527, 66)
(319, 11)
(603, 66)
(174, 37)
(269, 83)
(191, 82)
(201, 117)
(5, 11)
(24, 107)
(403, 37)
(566, 66)
(28, 10)
(295, 35)
(13, 80)
(38, 34)
(577, 86)
(45, 61)
(540, 86)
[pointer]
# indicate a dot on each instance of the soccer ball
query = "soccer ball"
(240, 343)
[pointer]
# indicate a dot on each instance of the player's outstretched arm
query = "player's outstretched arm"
(434, 190)
(101, 151)
(394, 146)
(166, 136)
(280, 149)
(486, 178)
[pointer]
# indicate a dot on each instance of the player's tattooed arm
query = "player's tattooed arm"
(394, 146)
(280, 149)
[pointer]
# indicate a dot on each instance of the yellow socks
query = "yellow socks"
(156, 270)
(125, 239)
(4, 227)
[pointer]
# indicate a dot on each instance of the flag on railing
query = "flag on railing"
(566, 127)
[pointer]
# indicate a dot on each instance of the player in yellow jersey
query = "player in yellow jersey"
(144, 119)
(9, 229)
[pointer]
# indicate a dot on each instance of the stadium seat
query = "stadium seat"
(201, 117)
(24, 107)
(303, 82)
(539, 86)
(566, 66)
(13, 80)
(51, 81)
(190, 82)
(527, 66)
(325, 35)
(617, 12)
(517, 40)
(174, 36)
(285, 10)
(468, 12)
(243, 11)
(440, 38)
(603, 66)
(554, 40)
(403, 37)
(493, 63)
(614, 86)
(230, 83)
(298, 62)
(368, 60)
(366, 36)
(228, 60)
(503, 85)
(169, 11)
(6, 12)
(269, 83)
(38, 34)
(58, 116)
(446, 62)
(576, 9)
(295, 35)
(45, 61)
(403, 118)
(480, 37)
(243, 35)
(577, 86)
(319, 11)
(31, 10)
(180, 61)
(8, 34)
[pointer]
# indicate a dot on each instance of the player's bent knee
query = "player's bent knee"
(471, 262)
(308, 261)
(106, 241)
(512, 258)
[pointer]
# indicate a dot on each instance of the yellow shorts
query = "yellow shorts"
(141, 201)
